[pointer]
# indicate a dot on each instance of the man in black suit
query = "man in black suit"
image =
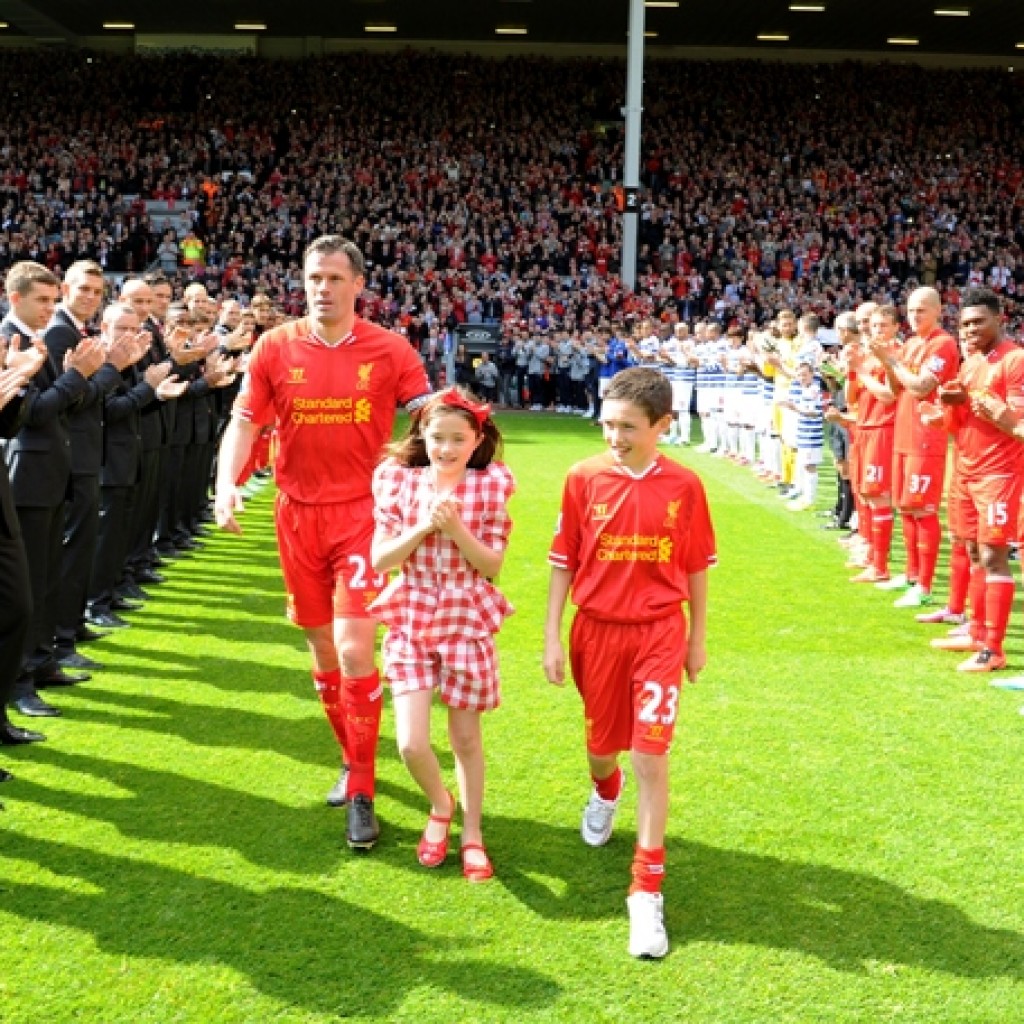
(173, 536)
(122, 460)
(19, 366)
(39, 463)
(156, 426)
(164, 337)
(82, 296)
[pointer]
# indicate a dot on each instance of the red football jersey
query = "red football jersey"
(982, 449)
(939, 355)
(631, 542)
(872, 411)
(333, 405)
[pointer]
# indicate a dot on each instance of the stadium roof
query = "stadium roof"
(983, 27)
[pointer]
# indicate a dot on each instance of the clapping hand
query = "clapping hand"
(988, 407)
(445, 516)
(27, 360)
(953, 393)
(86, 357)
(156, 374)
(11, 384)
(930, 414)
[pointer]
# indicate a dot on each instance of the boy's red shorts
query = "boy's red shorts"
(630, 676)
(325, 559)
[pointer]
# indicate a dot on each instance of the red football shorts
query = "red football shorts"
(954, 501)
(853, 458)
(630, 677)
(325, 559)
(919, 480)
(988, 510)
(874, 462)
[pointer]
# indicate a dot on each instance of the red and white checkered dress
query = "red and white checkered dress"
(440, 612)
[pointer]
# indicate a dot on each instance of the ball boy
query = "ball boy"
(634, 542)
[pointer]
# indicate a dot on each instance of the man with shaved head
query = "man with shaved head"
(928, 359)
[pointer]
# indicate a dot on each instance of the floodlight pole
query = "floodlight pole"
(631, 171)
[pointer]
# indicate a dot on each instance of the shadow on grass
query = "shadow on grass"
(233, 674)
(846, 919)
(304, 948)
(171, 808)
(207, 725)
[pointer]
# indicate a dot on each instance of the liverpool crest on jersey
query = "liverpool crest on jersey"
(363, 371)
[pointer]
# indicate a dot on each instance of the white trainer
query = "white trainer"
(647, 937)
(599, 817)
(894, 583)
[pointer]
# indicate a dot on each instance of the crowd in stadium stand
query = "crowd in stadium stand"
(473, 200)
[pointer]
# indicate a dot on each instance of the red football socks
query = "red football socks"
(910, 543)
(999, 591)
(328, 688)
(881, 539)
(362, 700)
(611, 787)
(648, 869)
(929, 540)
(978, 599)
(959, 577)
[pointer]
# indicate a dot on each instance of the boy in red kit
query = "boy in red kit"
(981, 408)
(330, 383)
(634, 542)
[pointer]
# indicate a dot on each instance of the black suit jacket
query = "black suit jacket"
(85, 416)
(39, 456)
(122, 429)
(185, 414)
(11, 417)
(157, 417)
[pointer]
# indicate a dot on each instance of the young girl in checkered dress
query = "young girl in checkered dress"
(440, 511)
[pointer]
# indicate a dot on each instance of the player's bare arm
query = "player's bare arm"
(234, 453)
(554, 649)
(390, 552)
(696, 647)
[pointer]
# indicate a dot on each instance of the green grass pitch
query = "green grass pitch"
(845, 842)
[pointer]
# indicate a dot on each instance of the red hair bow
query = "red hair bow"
(480, 411)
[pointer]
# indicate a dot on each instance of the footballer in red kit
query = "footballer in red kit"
(916, 371)
(989, 466)
(633, 545)
(330, 383)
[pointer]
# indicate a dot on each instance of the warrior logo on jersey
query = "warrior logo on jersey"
(672, 514)
(297, 375)
(599, 510)
(363, 372)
